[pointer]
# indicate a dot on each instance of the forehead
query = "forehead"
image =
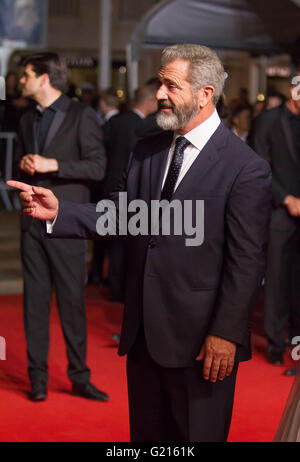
(29, 69)
(176, 70)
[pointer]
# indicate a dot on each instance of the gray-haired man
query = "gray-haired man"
(186, 312)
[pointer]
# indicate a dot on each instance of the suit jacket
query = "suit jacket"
(120, 139)
(182, 293)
(75, 141)
(272, 138)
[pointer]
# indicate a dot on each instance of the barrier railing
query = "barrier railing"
(10, 201)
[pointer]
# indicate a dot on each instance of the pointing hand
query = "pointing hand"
(39, 203)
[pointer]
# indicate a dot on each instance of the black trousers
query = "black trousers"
(117, 270)
(97, 263)
(282, 290)
(168, 405)
(59, 265)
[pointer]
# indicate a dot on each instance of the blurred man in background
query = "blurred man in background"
(108, 106)
(276, 137)
(119, 144)
(241, 121)
(60, 147)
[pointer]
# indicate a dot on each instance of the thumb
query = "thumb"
(41, 191)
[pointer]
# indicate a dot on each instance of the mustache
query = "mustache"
(164, 104)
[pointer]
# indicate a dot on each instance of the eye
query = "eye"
(172, 86)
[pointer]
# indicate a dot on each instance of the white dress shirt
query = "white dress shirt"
(198, 137)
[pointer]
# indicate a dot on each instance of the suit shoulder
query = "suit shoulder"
(80, 107)
(156, 141)
(242, 153)
(268, 117)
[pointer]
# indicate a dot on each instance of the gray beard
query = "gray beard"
(178, 119)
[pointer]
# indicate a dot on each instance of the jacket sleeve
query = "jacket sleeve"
(247, 228)
(92, 162)
(93, 221)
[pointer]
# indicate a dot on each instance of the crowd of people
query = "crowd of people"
(70, 151)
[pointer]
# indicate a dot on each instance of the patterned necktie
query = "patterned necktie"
(175, 167)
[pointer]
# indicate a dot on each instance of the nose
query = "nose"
(161, 93)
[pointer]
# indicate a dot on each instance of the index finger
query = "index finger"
(207, 367)
(18, 185)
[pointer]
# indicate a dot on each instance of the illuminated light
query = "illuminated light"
(78, 92)
(261, 97)
(120, 93)
(226, 75)
(278, 71)
(122, 70)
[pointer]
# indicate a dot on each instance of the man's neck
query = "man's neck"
(48, 98)
(201, 117)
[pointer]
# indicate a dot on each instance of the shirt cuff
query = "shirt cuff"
(50, 225)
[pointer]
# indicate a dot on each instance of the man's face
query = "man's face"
(243, 120)
(30, 83)
(177, 102)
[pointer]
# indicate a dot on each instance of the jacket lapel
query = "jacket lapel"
(158, 166)
(55, 126)
(58, 120)
(32, 128)
(206, 159)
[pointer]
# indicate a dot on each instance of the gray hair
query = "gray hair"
(205, 66)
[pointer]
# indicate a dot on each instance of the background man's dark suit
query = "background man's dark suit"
(75, 141)
(119, 136)
(177, 295)
(273, 139)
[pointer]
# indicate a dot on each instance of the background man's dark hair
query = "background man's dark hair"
(51, 64)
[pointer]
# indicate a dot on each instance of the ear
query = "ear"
(205, 95)
(45, 80)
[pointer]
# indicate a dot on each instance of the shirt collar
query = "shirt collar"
(200, 135)
(244, 135)
(139, 113)
(55, 106)
(110, 114)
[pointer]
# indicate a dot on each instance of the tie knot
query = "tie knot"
(181, 143)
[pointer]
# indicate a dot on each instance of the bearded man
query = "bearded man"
(186, 316)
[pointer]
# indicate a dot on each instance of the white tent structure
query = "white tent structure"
(219, 24)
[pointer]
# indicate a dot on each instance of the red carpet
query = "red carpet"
(260, 396)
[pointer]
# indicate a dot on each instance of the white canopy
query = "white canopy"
(223, 24)
(257, 26)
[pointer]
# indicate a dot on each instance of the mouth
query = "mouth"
(164, 107)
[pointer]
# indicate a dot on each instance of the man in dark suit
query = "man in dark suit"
(121, 135)
(108, 107)
(120, 138)
(186, 317)
(60, 148)
(276, 137)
